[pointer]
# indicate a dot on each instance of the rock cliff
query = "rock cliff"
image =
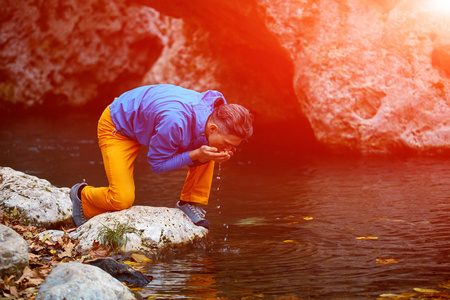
(369, 76)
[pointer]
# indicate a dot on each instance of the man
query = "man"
(181, 127)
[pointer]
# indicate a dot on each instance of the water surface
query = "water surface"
(284, 223)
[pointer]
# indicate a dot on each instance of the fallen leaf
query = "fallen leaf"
(45, 237)
(131, 263)
(288, 217)
(290, 241)
(140, 258)
(307, 218)
(291, 223)
(367, 238)
(425, 290)
(390, 295)
(30, 277)
(387, 261)
(99, 251)
(398, 296)
(27, 235)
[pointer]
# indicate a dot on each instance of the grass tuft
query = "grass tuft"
(115, 237)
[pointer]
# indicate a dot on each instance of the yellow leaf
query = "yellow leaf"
(367, 238)
(15, 212)
(53, 251)
(44, 238)
(307, 218)
(425, 290)
(140, 258)
(290, 241)
(386, 261)
(398, 296)
(131, 263)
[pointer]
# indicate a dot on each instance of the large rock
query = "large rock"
(371, 76)
(157, 228)
(13, 252)
(79, 281)
(56, 53)
(34, 198)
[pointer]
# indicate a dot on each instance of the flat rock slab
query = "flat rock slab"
(156, 228)
(35, 199)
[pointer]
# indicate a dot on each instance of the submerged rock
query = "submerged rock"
(34, 198)
(156, 228)
(120, 271)
(80, 281)
(13, 252)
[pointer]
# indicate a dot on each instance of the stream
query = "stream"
(284, 223)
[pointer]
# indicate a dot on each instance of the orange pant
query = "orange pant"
(119, 153)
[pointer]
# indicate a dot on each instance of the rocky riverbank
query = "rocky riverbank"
(41, 251)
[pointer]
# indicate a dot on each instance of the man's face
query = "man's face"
(223, 142)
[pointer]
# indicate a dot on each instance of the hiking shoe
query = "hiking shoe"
(195, 213)
(77, 208)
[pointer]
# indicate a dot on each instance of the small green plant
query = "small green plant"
(115, 237)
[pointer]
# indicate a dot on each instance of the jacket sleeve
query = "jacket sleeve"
(164, 149)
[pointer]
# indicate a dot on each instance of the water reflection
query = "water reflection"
(292, 222)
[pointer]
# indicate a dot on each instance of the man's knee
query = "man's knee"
(124, 200)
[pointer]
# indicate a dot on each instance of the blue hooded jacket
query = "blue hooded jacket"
(169, 119)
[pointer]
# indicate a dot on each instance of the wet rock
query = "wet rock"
(13, 252)
(35, 199)
(120, 271)
(80, 281)
(156, 228)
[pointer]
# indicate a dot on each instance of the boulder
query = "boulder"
(35, 199)
(80, 281)
(120, 271)
(156, 228)
(56, 53)
(370, 76)
(13, 252)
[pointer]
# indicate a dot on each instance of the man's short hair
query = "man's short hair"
(233, 119)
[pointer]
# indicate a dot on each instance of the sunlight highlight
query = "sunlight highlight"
(442, 6)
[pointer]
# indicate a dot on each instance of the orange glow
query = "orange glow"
(439, 5)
